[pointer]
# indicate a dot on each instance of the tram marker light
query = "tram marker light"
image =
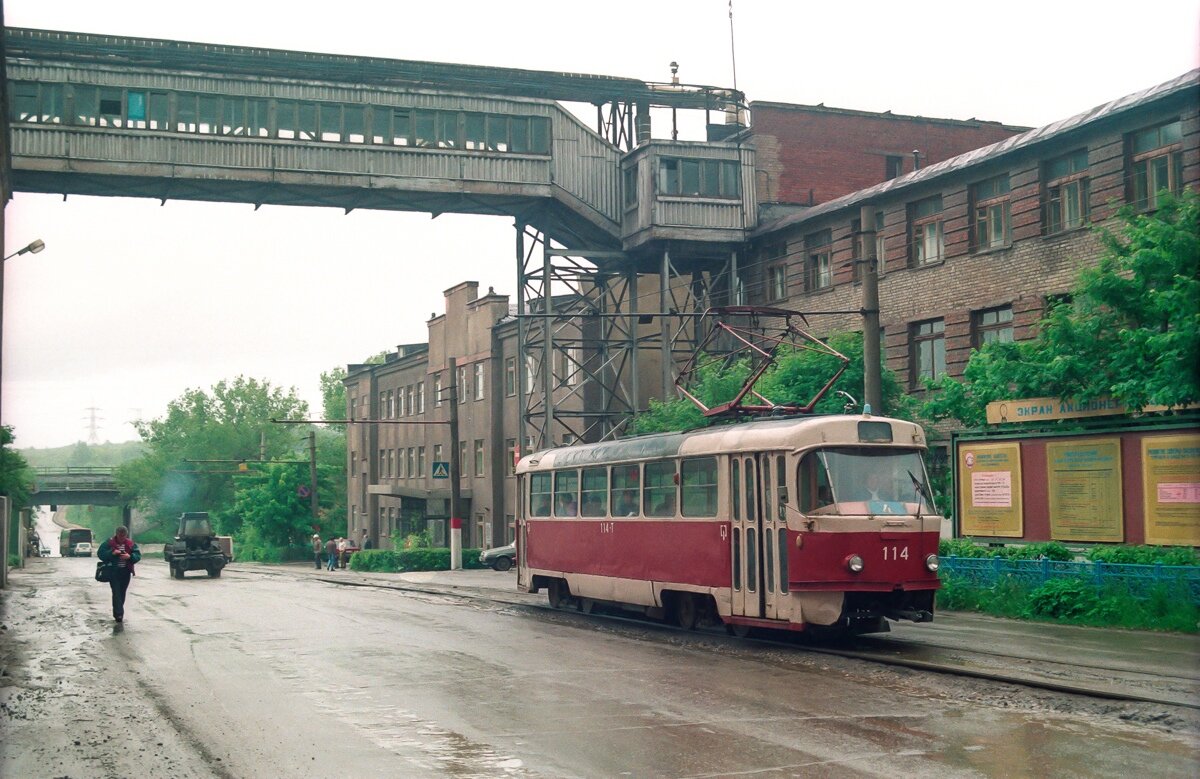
(854, 563)
(932, 563)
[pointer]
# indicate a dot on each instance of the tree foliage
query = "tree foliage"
(796, 378)
(230, 423)
(1131, 329)
(16, 480)
(270, 508)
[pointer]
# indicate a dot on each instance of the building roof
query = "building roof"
(1180, 85)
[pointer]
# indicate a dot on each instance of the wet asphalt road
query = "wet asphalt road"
(276, 674)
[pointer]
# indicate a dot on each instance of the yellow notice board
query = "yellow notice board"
(1083, 480)
(1171, 489)
(989, 489)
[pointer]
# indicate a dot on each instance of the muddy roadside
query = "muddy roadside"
(70, 704)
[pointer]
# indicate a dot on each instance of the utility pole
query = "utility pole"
(312, 473)
(872, 382)
(455, 465)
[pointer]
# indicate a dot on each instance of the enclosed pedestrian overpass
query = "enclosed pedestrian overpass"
(630, 228)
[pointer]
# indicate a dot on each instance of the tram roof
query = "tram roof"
(759, 435)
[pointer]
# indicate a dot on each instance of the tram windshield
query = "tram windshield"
(853, 480)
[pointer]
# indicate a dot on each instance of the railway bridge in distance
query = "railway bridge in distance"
(617, 215)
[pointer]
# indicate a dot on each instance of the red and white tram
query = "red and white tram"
(781, 523)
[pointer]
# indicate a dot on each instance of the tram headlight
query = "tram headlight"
(854, 563)
(932, 563)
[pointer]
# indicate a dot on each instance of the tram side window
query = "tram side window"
(813, 482)
(626, 488)
(735, 486)
(698, 480)
(594, 492)
(539, 495)
(659, 489)
(566, 493)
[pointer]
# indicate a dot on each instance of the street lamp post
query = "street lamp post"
(5, 507)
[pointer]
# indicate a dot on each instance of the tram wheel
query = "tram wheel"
(684, 610)
(554, 591)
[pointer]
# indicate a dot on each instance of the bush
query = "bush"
(1143, 555)
(961, 547)
(1042, 550)
(405, 560)
(1067, 599)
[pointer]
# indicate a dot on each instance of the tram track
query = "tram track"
(885, 656)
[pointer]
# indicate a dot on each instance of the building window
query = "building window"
(511, 454)
(1066, 194)
(420, 474)
(412, 462)
(925, 230)
(437, 454)
(777, 282)
(462, 459)
(568, 359)
(410, 407)
(927, 355)
(398, 456)
(437, 390)
(391, 405)
(698, 178)
(383, 463)
(510, 376)
(1157, 161)
(818, 250)
(382, 404)
(530, 373)
(478, 370)
(993, 325)
(990, 212)
(478, 456)
(461, 388)
(893, 167)
(859, 264)
(420, 397)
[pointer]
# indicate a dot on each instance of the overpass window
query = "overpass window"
(110, 108)
(135, 109)
(85, 105)
(306, 122)
(331, 122)
(381, 124)
(402, 128)
(207, 113)
(520, 134)
(353, 124)
(475, 132)
(497, 133)
(447, 130)
(257, 124)
(185, 113)
(233, 116)
(698, 178)
(425, 133)
(539, 135)
(37, 102)
(285, 120)
(160, 111)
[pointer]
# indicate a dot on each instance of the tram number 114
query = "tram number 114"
(895, 553)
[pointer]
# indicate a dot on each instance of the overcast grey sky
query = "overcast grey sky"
(133, 302)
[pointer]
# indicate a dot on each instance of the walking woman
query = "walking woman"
(121, 553)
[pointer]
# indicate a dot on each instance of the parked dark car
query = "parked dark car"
(499, 558)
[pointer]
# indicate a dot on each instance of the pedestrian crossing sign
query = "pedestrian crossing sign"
(441, 470)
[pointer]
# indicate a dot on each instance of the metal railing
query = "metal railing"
(1138, 580)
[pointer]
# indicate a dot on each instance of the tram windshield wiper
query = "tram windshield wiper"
(922, 491)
